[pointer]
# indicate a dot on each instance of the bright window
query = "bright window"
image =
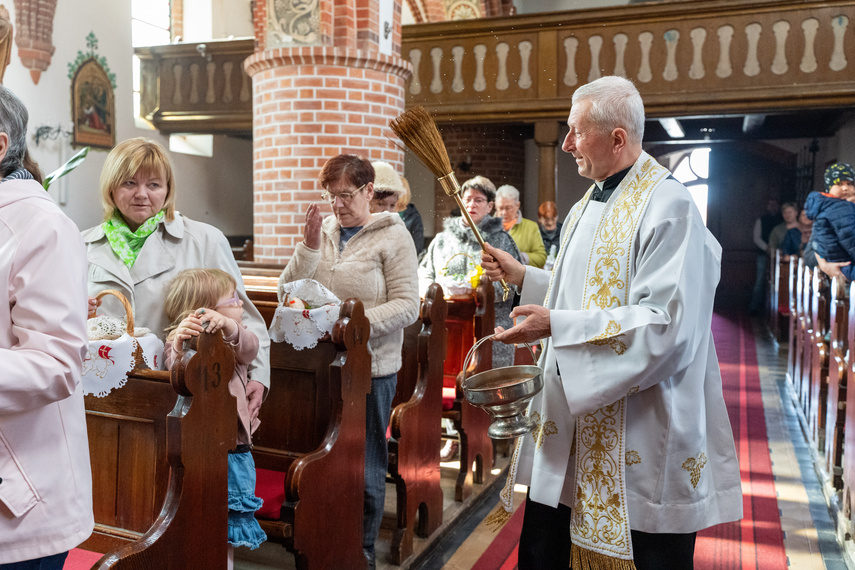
(693, 170)
(149, 27)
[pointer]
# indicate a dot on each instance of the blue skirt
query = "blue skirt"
(244, 530)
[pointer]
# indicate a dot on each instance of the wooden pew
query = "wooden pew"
(415, 427)
(159, 476)
(795, 307)
(848, 460)
(806, 341)
(818, 358)
(837, 369)
(779, 295)
(243, 252)
(469, 319)
(310, 445)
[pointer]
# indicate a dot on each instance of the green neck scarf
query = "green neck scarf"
(125, 243)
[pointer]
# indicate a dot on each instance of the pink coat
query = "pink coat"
(245, 344)
(45, 478)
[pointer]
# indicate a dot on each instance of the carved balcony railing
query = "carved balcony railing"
(197, 88)
(687, 58)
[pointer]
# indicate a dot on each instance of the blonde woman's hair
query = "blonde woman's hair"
(125, 160)
(192, 289)
(405, 198)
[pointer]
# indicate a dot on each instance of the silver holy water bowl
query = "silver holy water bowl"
(504, 393)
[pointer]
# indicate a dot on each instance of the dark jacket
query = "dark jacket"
(555, 239)
(833, 234)
(413, 221)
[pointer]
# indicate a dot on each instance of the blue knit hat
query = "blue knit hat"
(837, 173)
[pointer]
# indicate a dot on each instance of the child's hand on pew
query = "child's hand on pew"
(212, 321)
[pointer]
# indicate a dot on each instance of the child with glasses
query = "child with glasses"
(206, 301)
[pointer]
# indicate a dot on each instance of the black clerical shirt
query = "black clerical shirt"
(609, 184)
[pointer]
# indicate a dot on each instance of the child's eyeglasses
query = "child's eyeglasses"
(233, 301)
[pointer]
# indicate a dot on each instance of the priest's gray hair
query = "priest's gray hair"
(615, 103)
(508, 191)
(13, 122)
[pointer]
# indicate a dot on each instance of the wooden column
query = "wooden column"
(546, 137)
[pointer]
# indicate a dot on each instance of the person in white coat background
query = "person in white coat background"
(144, 243)
(45, 477)
(633, 451)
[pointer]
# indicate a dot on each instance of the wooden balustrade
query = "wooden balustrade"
(197, 87)
(692, 57)
(687, 58)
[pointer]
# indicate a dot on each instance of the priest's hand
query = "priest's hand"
(533, 327)
(500, 265)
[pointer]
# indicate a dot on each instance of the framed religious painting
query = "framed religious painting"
(93, 108)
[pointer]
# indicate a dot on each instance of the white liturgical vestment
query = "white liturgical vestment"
(656, 350)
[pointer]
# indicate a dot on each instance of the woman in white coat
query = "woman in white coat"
(143, 243)
(45, 478)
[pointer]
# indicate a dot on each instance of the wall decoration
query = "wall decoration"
(6, 33)
(462, 9)
(93, 109)
(34, 37)
(293, 23)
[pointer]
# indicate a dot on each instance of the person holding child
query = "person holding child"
(144, 242)
(355, 253)
(206, 301)
(833, 232)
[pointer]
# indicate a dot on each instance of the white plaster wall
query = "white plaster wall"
(217, 190)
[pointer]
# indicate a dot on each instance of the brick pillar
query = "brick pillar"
(311, 103)
(494, 151)
(34, 34)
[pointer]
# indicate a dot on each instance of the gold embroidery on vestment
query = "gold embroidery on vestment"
(694, 466)
(632, 457)
(610, 338)
(633, 390)
(542, 430)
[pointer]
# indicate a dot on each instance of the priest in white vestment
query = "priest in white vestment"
(633, 451)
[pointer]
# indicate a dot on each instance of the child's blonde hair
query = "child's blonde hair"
(192, 289)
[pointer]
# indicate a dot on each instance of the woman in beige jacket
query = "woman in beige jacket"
(355, 253)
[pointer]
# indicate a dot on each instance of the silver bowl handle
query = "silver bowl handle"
(477, 344)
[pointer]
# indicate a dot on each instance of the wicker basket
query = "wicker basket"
(110, 359)
(452, 286)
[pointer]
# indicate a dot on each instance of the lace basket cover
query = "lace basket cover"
(303, 328)
(113, 353)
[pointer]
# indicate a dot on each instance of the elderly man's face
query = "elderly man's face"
(507, 208)
(591, 148)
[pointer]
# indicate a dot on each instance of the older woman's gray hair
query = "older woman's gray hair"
(13, 122)
(508, 191)
(615, 103)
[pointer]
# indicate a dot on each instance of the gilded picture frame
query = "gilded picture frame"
(93, 108)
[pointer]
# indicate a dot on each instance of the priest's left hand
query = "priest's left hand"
(534, 327)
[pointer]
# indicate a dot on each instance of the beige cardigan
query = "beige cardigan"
(378, 266)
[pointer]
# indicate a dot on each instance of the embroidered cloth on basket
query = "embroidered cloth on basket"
(115, 348)
(302, 327)
(599, 525)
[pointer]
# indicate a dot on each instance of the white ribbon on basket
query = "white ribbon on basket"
(303, 328)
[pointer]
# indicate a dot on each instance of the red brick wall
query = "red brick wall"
(176, 18)
(309, 105)
(494, 151)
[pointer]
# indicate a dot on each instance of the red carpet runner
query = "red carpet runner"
(754, 543)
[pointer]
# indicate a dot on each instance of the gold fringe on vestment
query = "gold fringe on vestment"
(584, 559)
(497, 519)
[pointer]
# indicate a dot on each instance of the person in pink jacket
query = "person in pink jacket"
(45, 478)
